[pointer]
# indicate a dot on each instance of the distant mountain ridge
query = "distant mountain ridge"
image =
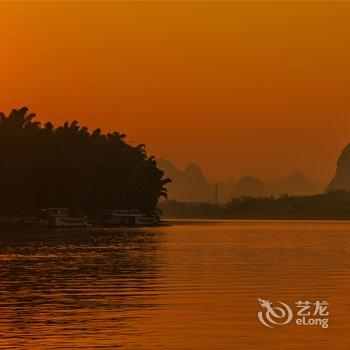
(191, 185)
(248, 186)
(294, 184)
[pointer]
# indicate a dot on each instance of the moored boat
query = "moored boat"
(60, 217)
(115, 218)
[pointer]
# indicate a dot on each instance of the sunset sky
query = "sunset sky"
(241, 88)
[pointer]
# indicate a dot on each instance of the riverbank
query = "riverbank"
(334, 205)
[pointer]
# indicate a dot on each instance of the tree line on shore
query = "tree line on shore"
(68, 166)
(330, 205)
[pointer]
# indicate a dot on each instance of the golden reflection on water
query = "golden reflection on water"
(193, 285)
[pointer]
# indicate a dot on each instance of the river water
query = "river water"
(192, 285)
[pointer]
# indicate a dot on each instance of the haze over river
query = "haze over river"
(192, 285)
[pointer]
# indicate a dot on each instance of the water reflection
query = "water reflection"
(68, 284)
(193, 285)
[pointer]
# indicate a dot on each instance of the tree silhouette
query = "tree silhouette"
(67, 166)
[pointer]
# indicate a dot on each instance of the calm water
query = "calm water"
(193, 285)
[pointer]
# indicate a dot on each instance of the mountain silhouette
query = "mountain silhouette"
(192, 186)
(294, 184)
(189, 185)
(341, 180)
(248, 186)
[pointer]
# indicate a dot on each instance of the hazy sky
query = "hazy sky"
(246, 88)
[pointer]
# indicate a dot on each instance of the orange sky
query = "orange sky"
(247, 88)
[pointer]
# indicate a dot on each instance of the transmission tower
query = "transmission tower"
(216, 195)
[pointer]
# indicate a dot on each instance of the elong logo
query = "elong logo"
(308, 313)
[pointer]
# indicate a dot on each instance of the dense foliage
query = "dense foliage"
(331, 205)
(67, 166)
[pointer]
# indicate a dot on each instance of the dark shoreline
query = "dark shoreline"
(334, 205)
(262, 218)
